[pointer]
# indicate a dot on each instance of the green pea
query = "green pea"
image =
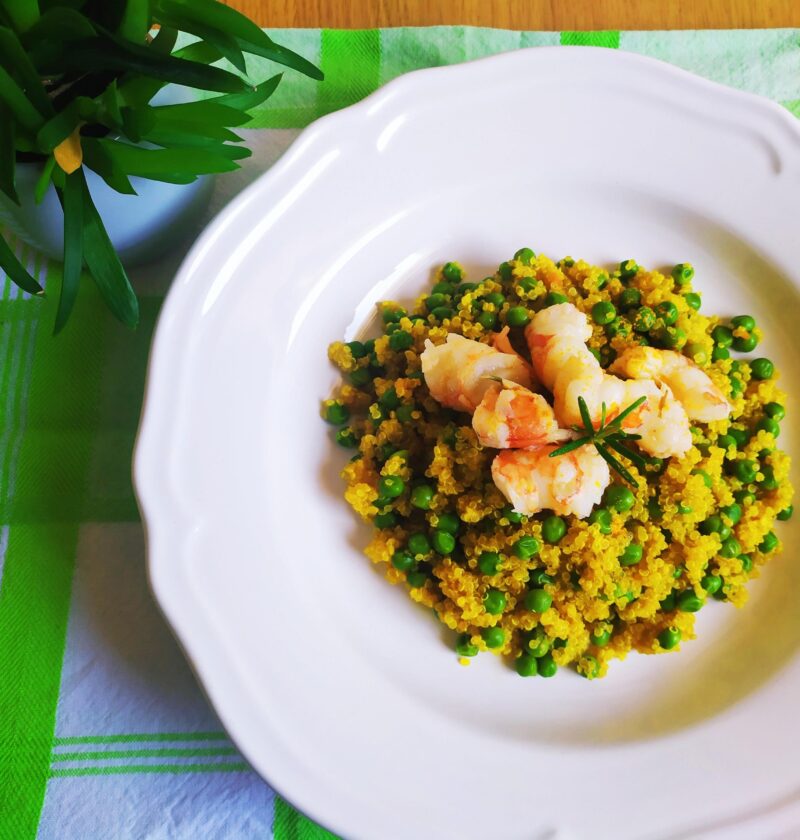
(619, 497)
(667, 312)
(401, 340)
(602, 281)
(668, 604)
(419, 544)
(720, 353)
(546, 666)
(775, 410)
(539, 577)
(678, 572)
(741, 436)
(528, 284)
(737, 386)
(360, 377)
(553, 298)
(448, 522)
(673, 338)
(682, 273)
(732, 512)
(525, 256)
(628, 269)
(768, 482)
(762, 368)
(463, 288)
(442, 288)
(669, 637)
(517, 316)
(443, 542)
(644, 320)
(391, 486)
(494, 602)
(747, 322)
(747, 563)
(745, 471)
(767, 424)
(711, 583)
(769, 543)
(553, 529)
(464, 646)
(403, 561)
(452, 271)
(629, 298)
(357, 349)
(693, 300)
(744, 497)
(347, 438)
(714, 525)
(730, 548)
(385, 520)
(442, 313)
(494, 637)
(526, 547)
(505, 271)
(337, 414)
(538, 600)
(689, 602)
(511, 515)
(422, 496)
(723, 336)
(619, 327)
(603, 312)
(487, 320)
(538, 643)
(727, 441)
(489, 562)
(566, 262)
(602, 518)
(601, 635)
(389, 399)
(745, 344)
(696, 352)
(786, 514)
(416, 578)
(392, 314)
(405, 413)
(631, 555)
(526, 665)
(607, 355)
(432, 301)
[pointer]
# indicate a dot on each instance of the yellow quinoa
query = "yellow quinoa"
(704, 522)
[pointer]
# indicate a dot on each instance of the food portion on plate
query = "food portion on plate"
(565, 463)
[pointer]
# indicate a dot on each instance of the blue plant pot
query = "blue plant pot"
(141, 227)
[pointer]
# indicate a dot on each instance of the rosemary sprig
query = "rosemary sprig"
(606, 436)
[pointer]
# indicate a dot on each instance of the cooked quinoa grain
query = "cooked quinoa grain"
(546, 591)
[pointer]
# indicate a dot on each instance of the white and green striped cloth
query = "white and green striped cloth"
(103, 730)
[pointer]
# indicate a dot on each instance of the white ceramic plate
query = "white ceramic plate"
(340, 691)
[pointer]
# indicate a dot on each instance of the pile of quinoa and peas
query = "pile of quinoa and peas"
(551, 591)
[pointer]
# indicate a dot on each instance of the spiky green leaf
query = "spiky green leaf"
(8, 155)
(103, 262)
(16, 271)
(71, 198)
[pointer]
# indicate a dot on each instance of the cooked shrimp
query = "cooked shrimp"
(512, 417)
(501, 342)
(691, 386)
(557, 340)
(532, 481)
(459, 372)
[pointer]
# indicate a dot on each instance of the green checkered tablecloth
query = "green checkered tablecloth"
(103, 730)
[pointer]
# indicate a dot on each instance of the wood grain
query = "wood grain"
(525, 14)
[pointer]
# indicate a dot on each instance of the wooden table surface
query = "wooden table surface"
(526, 14)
